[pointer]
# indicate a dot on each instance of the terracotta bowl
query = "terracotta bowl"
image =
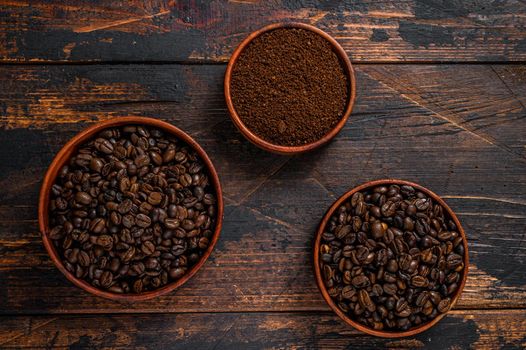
(318, 273)
(65, 154)
(256, 140)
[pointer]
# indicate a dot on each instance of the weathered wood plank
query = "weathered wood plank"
(478, 100)
(263, 262)
(192, 30)
(459, 330)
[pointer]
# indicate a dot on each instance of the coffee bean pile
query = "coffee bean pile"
(391, 258)
(133, 210)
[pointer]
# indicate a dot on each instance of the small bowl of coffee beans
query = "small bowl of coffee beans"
(289, 88)
(130, 208)
(390, 258)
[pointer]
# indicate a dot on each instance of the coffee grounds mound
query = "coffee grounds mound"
(288, 87)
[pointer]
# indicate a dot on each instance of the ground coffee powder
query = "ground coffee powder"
(289, 87)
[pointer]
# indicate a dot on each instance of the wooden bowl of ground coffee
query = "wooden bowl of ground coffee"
(289, 88)
(130, 208)
(390, 258)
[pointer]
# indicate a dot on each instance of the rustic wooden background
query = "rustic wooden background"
(440, 101)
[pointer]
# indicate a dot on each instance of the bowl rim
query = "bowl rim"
(317, 270)
(65, 154)
(280, 149)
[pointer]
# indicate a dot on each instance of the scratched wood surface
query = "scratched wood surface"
(424, 112)
(484, 330)
(198, 30)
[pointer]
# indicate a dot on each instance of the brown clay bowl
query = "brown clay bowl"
(323, 289)
(65, 154)
(288, 150)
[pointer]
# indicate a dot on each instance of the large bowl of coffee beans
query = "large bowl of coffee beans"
(130, 208)
(289, 88)
(390, 258)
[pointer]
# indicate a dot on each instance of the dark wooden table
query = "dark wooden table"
(441, 101)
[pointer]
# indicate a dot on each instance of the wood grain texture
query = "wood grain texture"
(196, 31)
(414, 127)
(459, 330)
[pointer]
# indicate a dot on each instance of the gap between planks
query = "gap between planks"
(243, 312)
(203, 62)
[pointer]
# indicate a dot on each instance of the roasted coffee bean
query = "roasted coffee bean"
(124, 184)
(413, 266)
(422, 203)
(171, 223)
(176, 273)
(120, 151)
(328, 272)
(138, 285)
(361, 253)
(389, 278)
(152, 264)
(390, 303)
(423, 270)
(343, 231)
(445, 235)
(169, 155)
(83, 258)
(380, 189)
(378, 229)
(360, 209)
(375, 211)
(106, 279)
(392, 258)
(148, 248)
(348, 292)
(115, 218)
(138, 268)
(356, 197)
(133, 210)
(56, 232)
(96, 164)
(453, 260)
(392, 266)
(105, 241)
(434, 297)
(402, 308)
(452, 288)
(83, 198)
(203, 243)
(125, 206)
(382, 257)
(365, 300)
(209, 199)
(453, 277)
(360, 281)
(377, 290)
(389, 208)
(114, 265)
(155, 198)
(418, 281)
(97, 225)
(444, 305)
(201, 220)
(403, 324)
(142, 220)
(404, 261)
(103, 145)
(422, 298)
